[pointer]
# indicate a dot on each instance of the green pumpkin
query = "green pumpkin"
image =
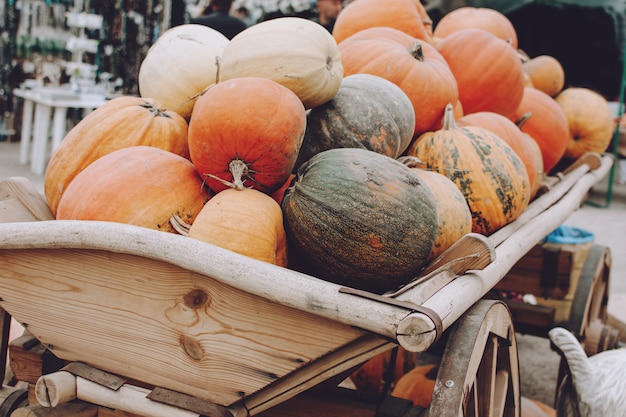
(360, 219)
(368, 112)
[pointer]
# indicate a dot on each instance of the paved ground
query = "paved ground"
(538, 363)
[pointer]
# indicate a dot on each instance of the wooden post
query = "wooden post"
(61, 387)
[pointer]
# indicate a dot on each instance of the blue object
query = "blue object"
(569, 235)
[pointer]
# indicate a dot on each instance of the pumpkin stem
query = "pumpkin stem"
(448, 123)
(523, 119)
(156, 112)
(239, 169)
(180, 225)
(417, 51)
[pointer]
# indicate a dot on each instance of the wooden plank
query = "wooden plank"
(532, 315)
(29, 359)
(180, 330)
(21, 202)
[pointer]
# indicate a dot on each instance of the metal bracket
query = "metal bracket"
(188, 402)
(95, 375)
(432, 314)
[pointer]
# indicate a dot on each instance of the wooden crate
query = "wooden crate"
(551, 273)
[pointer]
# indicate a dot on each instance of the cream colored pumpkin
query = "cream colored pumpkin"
(180, 65)
(295, 52)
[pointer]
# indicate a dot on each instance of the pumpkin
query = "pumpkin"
(483, 166)
(367, 112)
(544, 120)
(507, 130)
(119, 123)
(139, 185)
(407, 62)
(246, 221)
(423, 14)
(180, 65)
(590, 121)
(402, 15)
(246, 132)
(295, 52)
(545, 73)
(371, 376)
(454, 219)
(360, 219)
(417, 385)
(484, 18)
(488, 71)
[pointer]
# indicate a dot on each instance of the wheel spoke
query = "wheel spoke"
(479, 374)
(485, 376)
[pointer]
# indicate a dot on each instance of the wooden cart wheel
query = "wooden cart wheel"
(589, 307)
(479, 370)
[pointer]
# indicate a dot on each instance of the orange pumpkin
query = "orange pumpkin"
(486, 169)
(406, 62)
(507, 130)
(402, 15)
(488, 71)
(544, 120)
(119, 123)
(423, 13)
(139, 185)
(246, 132)
(545, 73)
(487, 19)
(590, 121)
(454, 219)
(246, 221)
(417, 385)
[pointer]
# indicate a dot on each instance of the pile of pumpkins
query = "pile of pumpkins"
(357, 157)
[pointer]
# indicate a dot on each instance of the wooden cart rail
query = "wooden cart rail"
(310, 329)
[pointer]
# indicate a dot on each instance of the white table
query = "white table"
(45, 102)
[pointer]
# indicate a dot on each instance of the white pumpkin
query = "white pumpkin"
(295, 52)
(180, 65)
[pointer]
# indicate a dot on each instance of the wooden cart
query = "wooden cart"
(146, 323)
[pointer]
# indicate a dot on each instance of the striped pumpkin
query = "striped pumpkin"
(486, 169)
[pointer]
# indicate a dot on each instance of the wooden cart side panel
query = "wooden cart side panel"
(158, 323)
